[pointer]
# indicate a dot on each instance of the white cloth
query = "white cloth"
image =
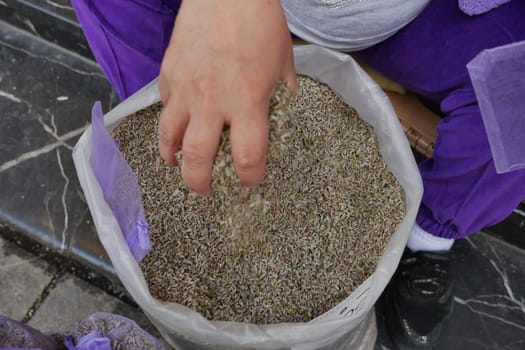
(349, 25)
(422, 240)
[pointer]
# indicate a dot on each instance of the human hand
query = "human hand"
(221, 67)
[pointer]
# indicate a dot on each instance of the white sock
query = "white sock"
(422, 240)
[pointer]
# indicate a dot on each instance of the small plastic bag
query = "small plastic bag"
(120, 187)
(105, 331)
(183, 327)
(16, 335)
(477, 7)
(498, 77)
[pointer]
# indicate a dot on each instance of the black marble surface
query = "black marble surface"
(489, 302)
(46, 94)
(52, 20)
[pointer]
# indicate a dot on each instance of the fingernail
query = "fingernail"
(203, 193)
(178, 156)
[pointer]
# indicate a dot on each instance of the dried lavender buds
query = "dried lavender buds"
(123, 333)
(291, 248)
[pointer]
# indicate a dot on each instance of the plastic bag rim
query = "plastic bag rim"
(164, 309)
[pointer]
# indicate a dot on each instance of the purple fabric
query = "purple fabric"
(477, 7)
(128, 38)
(498, 77)
(106, 329)
(16, 335)
(120, 187)
(462, 191)
(91, 341)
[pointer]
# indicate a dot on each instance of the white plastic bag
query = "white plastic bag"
(186, 328)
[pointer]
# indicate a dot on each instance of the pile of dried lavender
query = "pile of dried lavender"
(311, 232)
(123, 334)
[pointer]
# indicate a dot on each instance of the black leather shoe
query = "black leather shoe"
(418, 299)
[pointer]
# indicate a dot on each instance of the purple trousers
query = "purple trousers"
(462, 191)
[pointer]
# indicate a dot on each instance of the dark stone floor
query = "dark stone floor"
(46, 94)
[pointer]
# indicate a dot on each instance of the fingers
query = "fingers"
(291, 81)
(164, 91)
(289, 74)
(172, 125)
(199, 147)
(167, 75)
(249, 141)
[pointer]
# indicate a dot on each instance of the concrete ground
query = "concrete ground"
(37, 293)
